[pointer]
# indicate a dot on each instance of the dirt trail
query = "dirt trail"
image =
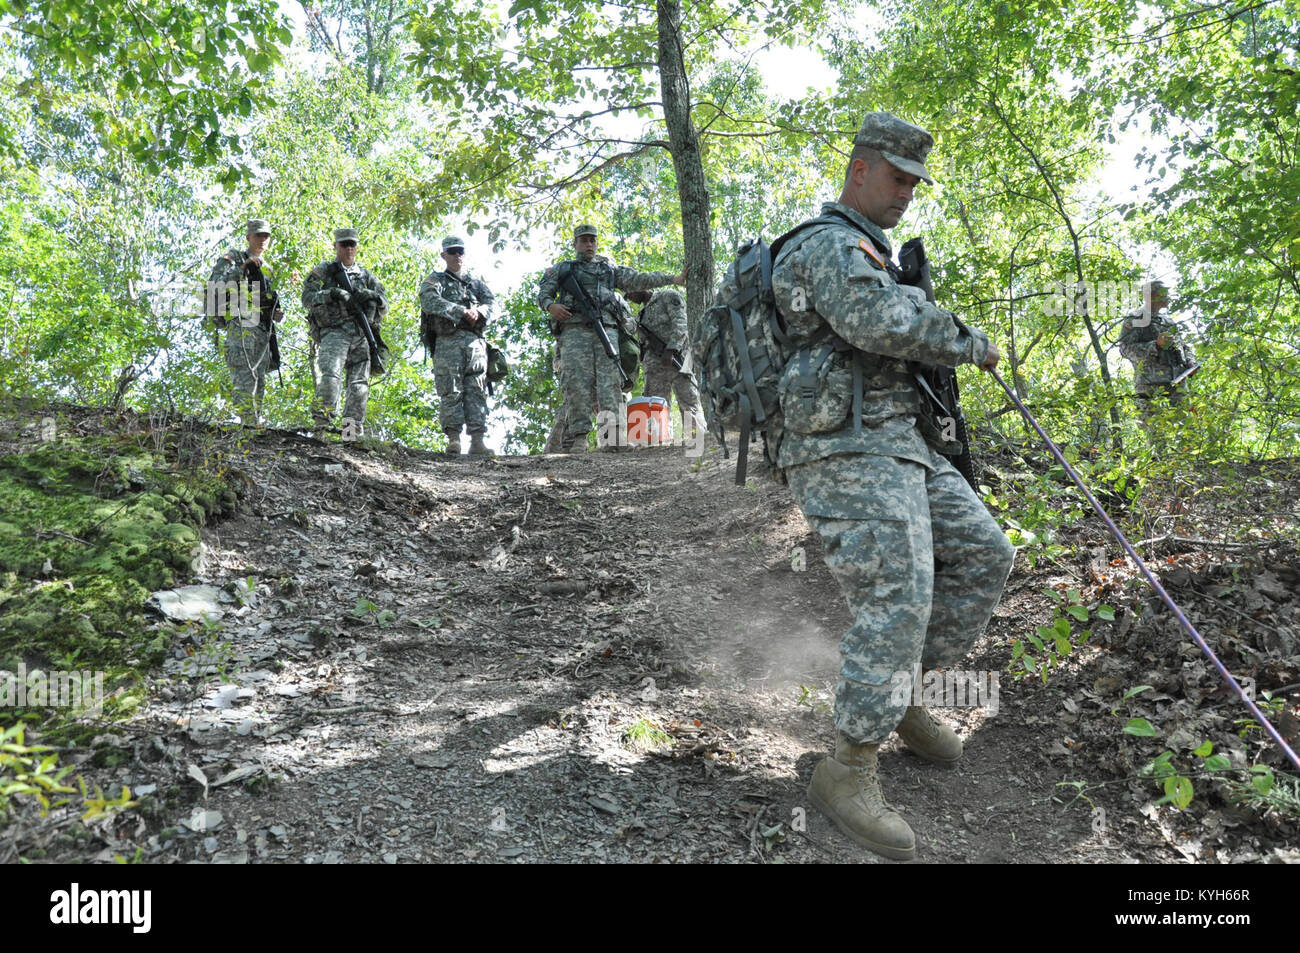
(442, 660)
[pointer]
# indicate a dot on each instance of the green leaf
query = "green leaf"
(1263, 778)
(1160, 767)
(1204, 750)
(1217, 762)
(1079, 612)
(1140, 728)
(1105, 613)
(1178, 790)
(1135, 691)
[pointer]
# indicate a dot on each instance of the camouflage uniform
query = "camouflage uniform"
(918, 558)
(1154, 367)
(248, 343)
(555, 440)
(663, 324)
(340, 346)
(460, 356)
(582, 359)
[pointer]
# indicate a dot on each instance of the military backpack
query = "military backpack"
(741, 348)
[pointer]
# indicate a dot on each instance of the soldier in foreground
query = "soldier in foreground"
(1151, 343)
(583, 362)
(244, 305)
(666, 352)
(459, 306)
(919, 560)
(341, 345)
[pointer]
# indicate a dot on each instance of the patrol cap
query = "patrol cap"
(346, 235)
(903, 145)
(453, 241)
(1155, 284)
(258, 226)
(584, 230)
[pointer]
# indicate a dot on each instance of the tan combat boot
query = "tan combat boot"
(928, 738)
(846, 789)
(453, 443)
(477, 447)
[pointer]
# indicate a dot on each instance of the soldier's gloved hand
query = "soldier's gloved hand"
(340, 295)
(365, 295)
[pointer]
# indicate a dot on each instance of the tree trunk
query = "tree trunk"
(692, 190)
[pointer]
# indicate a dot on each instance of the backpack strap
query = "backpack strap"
(805, 382)
(751, 405)
(857, 391)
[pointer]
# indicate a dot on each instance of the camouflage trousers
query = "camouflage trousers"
(248, 355)
(921, 563)
(1155, 401)
(664, 380)
(585, 367)
(342, 350)
(555, 440)
(460, 375)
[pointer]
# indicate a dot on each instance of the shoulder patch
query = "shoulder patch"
(870, 249)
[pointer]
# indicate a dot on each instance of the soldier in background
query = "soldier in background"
(1150, 341)
(666, 352)
(582, 360)
(459, 306)
(341, 347)
(241, 302)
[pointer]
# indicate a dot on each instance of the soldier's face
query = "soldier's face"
(257, 242)
(455, 259)
(882, 191)
(345, 252)
(585, 245)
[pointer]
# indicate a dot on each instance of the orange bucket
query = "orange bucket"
(647, 422)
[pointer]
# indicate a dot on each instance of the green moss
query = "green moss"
(112, 521)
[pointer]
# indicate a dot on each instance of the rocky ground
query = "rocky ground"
(625, 657)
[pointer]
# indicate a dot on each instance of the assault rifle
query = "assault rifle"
(674, 356)
(270, 304)
(939, 383)
(362, 319)
(1179, 360)
(588, 308)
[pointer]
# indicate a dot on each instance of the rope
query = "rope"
(1155, 583)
